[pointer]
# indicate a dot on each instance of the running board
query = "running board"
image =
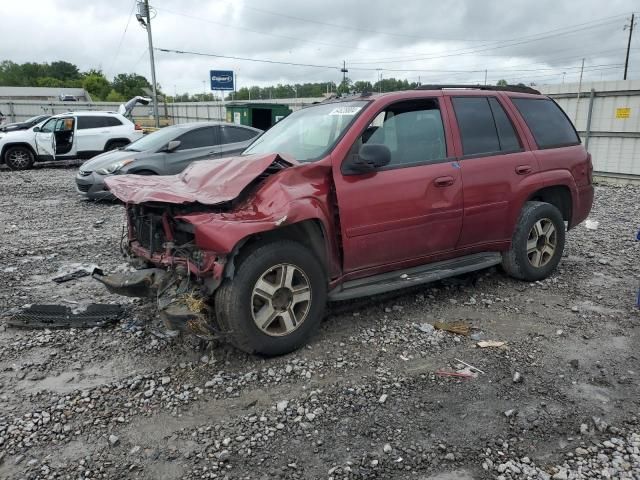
(398, 279)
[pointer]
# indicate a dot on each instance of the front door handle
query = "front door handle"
(523, 169)
(443, 181)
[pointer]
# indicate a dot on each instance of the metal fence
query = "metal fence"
(607, 117)
(172, 113)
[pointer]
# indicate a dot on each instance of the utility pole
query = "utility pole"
(485, 76)
(630, 27)
(144, 18)
(344, 72)
(579, 88)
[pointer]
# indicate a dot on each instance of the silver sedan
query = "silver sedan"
(165, 152)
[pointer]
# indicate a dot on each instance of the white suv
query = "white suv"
(68, 135)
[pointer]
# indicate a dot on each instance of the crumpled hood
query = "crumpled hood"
(208, 182)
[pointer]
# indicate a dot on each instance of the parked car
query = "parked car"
(352, 198)
(28, 123)
(165, 152)
(68, 135)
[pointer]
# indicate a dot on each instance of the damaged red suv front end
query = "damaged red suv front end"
(169, 226)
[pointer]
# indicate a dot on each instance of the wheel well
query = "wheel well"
(558, 196)
(308, 233)
(10, 145)
(124, 141)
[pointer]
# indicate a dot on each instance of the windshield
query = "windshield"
(309, 133)
(157, 139)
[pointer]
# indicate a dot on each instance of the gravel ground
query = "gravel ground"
(559, 400)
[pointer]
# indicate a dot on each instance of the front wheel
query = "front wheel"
(275, 301)
(19, 158)
(537, 243)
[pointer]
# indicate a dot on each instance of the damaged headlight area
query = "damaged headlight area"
(182, 277)
(114, 167)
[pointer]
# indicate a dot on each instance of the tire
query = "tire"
(537, 243)
(19, 158)
(239, 301)
(113, 145)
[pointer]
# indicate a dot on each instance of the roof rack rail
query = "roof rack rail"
(505, 88)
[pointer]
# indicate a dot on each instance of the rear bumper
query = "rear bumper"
(583, 205)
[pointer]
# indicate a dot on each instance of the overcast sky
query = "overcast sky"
(436, 41)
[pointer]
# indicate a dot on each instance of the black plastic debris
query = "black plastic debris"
(58, 316)
(71, 276)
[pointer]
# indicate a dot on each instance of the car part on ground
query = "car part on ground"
(58, 316)
(368, 195)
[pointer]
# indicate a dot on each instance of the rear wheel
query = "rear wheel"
(19, 158)
(275, 301)
(537, 243)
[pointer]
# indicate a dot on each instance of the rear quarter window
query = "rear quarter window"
(548, 123)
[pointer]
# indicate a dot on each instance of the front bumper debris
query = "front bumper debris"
(58, 316)
(181, 302)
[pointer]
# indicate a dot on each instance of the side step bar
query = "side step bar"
(386, 282)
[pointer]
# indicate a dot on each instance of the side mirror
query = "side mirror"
(36, 129)
(370, 157)
(172, 145)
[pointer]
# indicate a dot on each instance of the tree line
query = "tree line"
(63, 74)
(127, 85)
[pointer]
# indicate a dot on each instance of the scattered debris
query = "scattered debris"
(517, 378)
(470, 366)
(490, 344)
(383, 398)
(426, 328)
(72, 276)
(591, 224)
(444, 373)
(458, 327)
(58, 316)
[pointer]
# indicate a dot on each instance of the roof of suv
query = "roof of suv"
(92, 113)
(439, 90)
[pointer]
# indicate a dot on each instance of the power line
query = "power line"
(277, 35)
(352, 28)
(246, 59)
(133, 7)
(468, 51)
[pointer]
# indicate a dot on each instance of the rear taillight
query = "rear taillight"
(137, 127)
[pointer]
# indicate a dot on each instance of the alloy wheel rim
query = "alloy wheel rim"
(19, 158)
(541, 243)
(280, 300)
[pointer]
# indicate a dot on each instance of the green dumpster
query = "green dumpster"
(257, 115)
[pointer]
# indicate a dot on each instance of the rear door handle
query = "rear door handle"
(443, 181)
(523, 169)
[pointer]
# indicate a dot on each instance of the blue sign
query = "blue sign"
(221, 79)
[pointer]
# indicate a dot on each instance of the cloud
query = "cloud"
(453, 41)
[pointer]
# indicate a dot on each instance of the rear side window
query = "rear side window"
(85, 122)
(236, 134)
(484, 126)
(111, 122)
(548, 123)
(201, 137)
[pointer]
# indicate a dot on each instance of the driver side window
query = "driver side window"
(413, 131)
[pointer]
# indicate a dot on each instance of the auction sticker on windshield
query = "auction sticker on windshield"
(345, 111)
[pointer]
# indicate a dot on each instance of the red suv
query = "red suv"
(352, 197)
